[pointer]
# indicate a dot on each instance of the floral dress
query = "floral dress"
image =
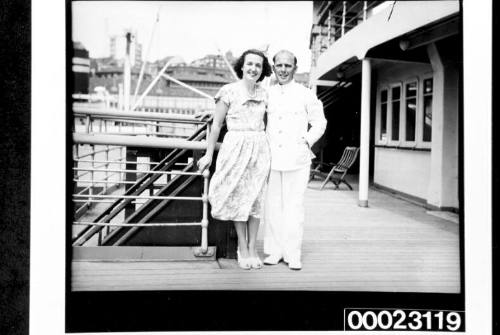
(237, 186)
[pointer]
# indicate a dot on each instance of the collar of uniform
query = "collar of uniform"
(286, 86)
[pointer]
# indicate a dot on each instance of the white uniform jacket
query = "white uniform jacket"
(291, 109)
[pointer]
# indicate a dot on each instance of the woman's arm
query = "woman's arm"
(218, 120)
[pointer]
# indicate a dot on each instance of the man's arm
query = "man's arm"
(315, 117)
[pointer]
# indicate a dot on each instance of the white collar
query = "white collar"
(286, 86)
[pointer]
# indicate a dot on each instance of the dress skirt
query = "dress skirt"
(242, 168)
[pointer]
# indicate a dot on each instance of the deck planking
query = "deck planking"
(391, 246)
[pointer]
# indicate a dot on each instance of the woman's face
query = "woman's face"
(252, 67)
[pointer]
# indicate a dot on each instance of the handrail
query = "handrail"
(130, 225)
(140, 185)
(137, 171)
(150, 116)
(143, 142)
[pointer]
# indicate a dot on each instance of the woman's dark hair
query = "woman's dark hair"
(266, 67)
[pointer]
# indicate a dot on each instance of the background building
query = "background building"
(108, 72)
(214, 61)
(117, 48)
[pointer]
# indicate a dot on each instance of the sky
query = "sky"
(193, 29)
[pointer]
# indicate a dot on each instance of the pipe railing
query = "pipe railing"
(103, 198)
(134, 141)
(135, 123)
(102, 165)
(77, 159)
(122, 115)
(351, 14)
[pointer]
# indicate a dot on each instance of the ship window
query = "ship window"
(427, 117)
(410, 111)
(383, 115)
(404, 113)
(396, 111)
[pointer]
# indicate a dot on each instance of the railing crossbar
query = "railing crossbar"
(164, 123)
(115, 162)
(156, 197)
(97, 151)
(139, 133)
(155, 224)
(112, 182)
(139, 171)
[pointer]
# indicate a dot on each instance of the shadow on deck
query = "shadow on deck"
(391, 246)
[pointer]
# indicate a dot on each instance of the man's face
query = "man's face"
(284, 68)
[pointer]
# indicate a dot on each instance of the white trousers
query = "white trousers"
(284, 213)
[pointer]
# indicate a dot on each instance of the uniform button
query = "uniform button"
(279, 118)
(280, 132)
(279, 146)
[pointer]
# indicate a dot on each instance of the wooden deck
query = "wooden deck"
(392, 246)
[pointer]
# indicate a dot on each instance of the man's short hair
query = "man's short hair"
(287, 52)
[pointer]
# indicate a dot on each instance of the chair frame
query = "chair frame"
(346, 161)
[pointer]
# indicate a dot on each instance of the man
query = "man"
(292, 108)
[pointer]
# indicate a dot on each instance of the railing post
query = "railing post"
(99, 237)
(106, 176)
(123, 153)
(75, 159)
(204, 220)
(131, 164)
(91, 188)
(87, 124)
(329, 26)
(365, 6)
(343, 16)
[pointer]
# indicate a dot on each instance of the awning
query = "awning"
(406, 17)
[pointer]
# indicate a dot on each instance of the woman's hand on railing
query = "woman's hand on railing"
(204, 115)
(204, 162)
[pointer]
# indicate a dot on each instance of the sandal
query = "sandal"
(244, 263)
(256, 263)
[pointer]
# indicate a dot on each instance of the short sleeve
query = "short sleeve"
(223, 95)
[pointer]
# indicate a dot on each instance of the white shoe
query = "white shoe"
(295, 265)
(244, 263)
(272, 259)
(255, 262)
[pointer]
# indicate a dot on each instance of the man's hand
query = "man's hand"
(204, 162)
(303, 139)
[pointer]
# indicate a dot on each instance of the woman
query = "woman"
(242, 167)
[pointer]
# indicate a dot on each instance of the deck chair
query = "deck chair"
(346, 161)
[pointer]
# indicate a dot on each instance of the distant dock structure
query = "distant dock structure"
(81, 68)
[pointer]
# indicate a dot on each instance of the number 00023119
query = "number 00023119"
(403, 319)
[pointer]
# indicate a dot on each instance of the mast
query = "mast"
(126, 72)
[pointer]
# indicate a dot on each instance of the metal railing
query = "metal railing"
(119, 192)
(139, 200)
(122, 128)
(88, 157)
(111, 121)
(335, 19)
